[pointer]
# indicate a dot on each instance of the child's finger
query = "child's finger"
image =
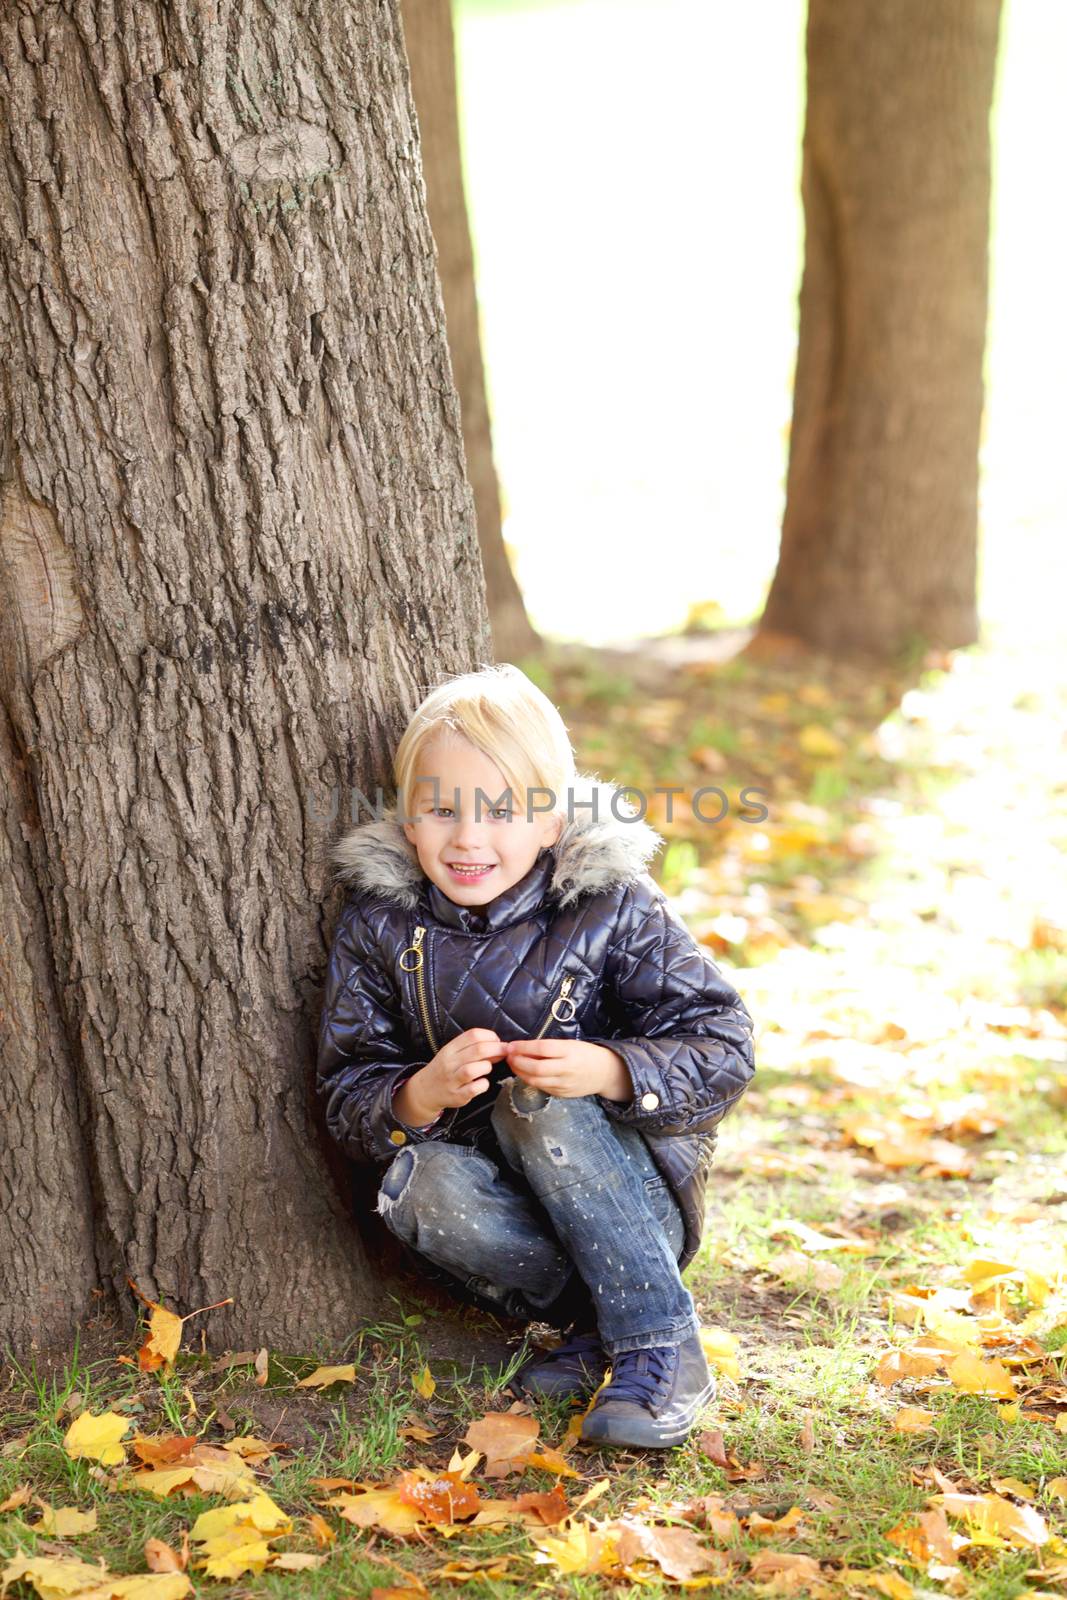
(546, 1048)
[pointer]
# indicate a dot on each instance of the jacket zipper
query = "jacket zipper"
(420, 987)
(563, 994)
(415, 949)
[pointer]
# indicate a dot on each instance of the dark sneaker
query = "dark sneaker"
(654, 1397)
(574, 1369)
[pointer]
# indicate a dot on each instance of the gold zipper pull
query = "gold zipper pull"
(414, 950)
(562, 999)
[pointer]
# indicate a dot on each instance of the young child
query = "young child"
(520, 1030)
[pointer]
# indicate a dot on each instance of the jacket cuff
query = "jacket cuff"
(650, 1110)
(391, 1133)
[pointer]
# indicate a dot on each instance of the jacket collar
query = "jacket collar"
(595, 851)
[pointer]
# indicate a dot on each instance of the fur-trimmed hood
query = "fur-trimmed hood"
(595, 851)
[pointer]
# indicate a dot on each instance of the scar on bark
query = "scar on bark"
(42, 612)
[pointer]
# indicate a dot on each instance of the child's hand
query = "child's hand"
(459, 1071)
(570, 1068)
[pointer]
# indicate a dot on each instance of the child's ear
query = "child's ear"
(409, 832)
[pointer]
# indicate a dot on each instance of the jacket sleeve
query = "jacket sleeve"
(684, 1031)
(365, 1052)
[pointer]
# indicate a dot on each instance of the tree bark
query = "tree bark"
(879, 537)
(431, 52)
(236, 547)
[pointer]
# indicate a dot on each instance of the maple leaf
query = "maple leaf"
(793, 1266)
(975, 1376)
(165, 1448)
(504, 1439)
(229, 1553)
(897, 1364)
(66, 1522)
(788, 1571)
(160, 1557)
(445, 1499)
(97, 1437)
(164, 1331)
(424, 1384)
(913, 1419)
(260, 1511)
(52, 1575)
(677, 1552)
(377, 1508)
(887, 1583)
(581, 1549)
(997, 1519)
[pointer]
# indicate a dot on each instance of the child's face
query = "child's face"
(448, 834)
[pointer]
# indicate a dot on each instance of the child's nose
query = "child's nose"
(468, 831)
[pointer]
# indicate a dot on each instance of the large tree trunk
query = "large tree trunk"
(432, 56)
(880, 531)
(236, 547)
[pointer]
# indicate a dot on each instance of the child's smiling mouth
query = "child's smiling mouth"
(469, 874)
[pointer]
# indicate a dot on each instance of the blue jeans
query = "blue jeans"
(583, 1192)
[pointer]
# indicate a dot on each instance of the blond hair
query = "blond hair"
(505, 716)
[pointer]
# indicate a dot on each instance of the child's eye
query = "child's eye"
(502, 812)
(435, 811)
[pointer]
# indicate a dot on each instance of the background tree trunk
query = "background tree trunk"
(431, 52)
(236, 547)
(880, 529)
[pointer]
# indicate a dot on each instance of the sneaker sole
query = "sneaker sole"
(672, 1428)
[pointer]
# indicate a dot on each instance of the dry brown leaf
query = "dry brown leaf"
(443, 1499)
(793, 1266)
(549, 1460)
(677, 1552)
(505, 1440)
(778, 1563)
(18, 1497)
(897, 1364)
(913, 1419)
(261, 1365)
(762, 1526)
(161, 1557)
(887, 1583)
(713, 1445)
(1021, 1491)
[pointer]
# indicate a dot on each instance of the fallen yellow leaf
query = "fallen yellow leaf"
(322, 1376)
(97, 1437)
(913, 1419)
(720, 1350)
(995, 1518)
(423, 1383)
(66, 1522)
(975, 1376)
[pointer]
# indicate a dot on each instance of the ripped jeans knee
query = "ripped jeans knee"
(418, 1184)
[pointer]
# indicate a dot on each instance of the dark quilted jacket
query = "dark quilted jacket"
(588, 925)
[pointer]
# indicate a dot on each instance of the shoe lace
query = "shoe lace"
(640, 1374)
(579, 1344)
